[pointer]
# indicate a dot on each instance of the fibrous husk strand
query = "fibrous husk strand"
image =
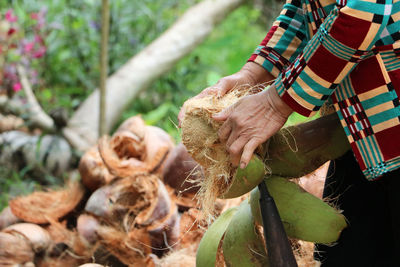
(42, 207)
(200, 136)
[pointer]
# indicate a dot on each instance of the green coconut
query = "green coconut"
(208, 247)
(246, 179)
(243, 245)
(304, 216)
(298, 150)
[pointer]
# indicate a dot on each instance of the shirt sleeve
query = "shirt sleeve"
(285, 40)
(346, 37)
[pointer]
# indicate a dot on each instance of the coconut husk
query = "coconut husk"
(7, 218)
(135, 148)
(164, 233)
(135, 125)
(184, 257)
(125, 202)
(43, 207)
(64, 259)
(91, 265)
(14, 249)
(68, 248)
(131, 248)
(192, 229)
(186, 201)
(200, 136)
(94, 173)
(181, 171)
(304, 253)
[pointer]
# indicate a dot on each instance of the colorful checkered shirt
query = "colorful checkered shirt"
(348, 51)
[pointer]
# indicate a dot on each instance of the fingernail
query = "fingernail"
(216, 115)
(242, 165)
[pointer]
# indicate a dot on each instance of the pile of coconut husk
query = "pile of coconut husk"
(134, 205)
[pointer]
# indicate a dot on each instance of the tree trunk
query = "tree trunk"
(139, 72)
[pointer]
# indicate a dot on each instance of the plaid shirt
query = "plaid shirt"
(348, 51)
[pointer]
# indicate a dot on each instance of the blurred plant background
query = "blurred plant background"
(58, 43)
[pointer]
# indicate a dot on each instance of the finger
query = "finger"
(225, 131)
(223, 115)
(224, 86)
(232, 137)
(181, 115)
(235, 150)
(206, 92)
(248, 151)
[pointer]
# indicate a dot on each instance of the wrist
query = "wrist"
(256, 73)
(279, 106)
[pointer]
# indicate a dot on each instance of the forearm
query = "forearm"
(257, 73)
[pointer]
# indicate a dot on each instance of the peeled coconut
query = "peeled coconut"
(7, 218)
(38, 237)
(14, 249)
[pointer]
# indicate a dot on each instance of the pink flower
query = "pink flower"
(17, 87)
(39, 53)
(10, 16)
(28, 47)
(34, 16)
(11, 31)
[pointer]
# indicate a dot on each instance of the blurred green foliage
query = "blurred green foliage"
(69, 70)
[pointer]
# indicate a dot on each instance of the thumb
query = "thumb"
(224, 86)
(223, 115)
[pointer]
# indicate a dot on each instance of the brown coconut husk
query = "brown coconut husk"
(68, 248)
(192, 229)
(135, 148)
(135, 125)
(184, 257)
(164, 233)
(14, 249)
(126, 202)
(304, 253)
(43, 207)
(131, 248)
(200, 136)
(186, 201)
(94, 173)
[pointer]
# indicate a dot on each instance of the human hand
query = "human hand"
(250, 122)
(250, 75)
